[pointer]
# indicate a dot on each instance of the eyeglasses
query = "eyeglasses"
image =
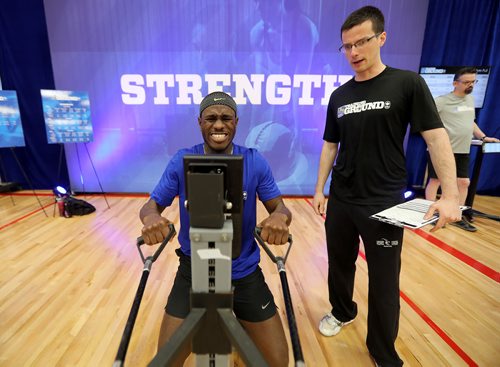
(467, 82)
(347, 47)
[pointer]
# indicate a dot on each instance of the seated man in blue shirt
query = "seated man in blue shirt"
(253, 301)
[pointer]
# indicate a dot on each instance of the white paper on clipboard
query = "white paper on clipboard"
(409, 214)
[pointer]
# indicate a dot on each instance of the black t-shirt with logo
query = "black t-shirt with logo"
(369, 119)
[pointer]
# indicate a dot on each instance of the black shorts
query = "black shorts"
(252, 298)
(461, 162)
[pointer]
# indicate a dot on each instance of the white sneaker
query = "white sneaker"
(329, 325)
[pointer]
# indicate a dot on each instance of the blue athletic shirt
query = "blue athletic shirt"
(257, 180)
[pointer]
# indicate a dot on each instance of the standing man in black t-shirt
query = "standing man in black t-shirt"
(366, 122)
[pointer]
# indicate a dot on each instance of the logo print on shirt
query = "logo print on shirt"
(362, 106)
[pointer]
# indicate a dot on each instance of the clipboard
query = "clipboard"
(409, 214)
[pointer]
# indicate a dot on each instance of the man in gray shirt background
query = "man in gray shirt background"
(457, 112)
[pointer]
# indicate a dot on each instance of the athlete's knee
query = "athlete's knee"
(276, 352)
(278, 356)
(169, 326)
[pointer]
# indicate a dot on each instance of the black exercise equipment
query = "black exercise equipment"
(148, 263)
(292, 324)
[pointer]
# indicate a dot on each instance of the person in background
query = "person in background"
(253, 301)
(366, 122)
(457, 112)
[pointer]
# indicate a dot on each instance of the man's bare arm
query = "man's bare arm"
(155, 226)
(479, 134)
(275, 226)
(328, 154)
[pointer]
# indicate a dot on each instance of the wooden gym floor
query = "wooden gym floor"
(67, 286)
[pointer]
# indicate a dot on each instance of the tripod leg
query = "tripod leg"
(2, 173)
(240, 339)
(95, 172)
(80, 167)
(181, 337)
(28, 180)
(479, 214)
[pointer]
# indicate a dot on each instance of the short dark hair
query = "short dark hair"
(465, 70)
(362, 15)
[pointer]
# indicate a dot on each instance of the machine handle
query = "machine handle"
(140, 242)
(269, 253)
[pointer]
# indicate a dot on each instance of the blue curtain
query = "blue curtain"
(25, 67)
(464, 32)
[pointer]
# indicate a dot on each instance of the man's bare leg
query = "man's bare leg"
(168, 327)
(269, 337)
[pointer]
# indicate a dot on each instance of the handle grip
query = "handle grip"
(280, 262)
(269, 253)
(140, 242)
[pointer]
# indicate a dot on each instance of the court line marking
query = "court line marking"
(24, 216)
(482, 268)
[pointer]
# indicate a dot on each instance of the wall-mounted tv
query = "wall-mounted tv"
(440, 81)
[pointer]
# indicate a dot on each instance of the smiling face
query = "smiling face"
(218, 127)
(364, 60)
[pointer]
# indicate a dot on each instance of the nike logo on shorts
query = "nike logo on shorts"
(265, 306)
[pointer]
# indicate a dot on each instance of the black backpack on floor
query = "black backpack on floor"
(77, 207)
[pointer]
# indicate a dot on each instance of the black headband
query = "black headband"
(218, 98)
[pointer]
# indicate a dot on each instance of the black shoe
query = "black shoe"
(463, 224)
(468, 217)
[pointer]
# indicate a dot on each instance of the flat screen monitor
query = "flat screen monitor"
(440, 81)
(211, 182)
